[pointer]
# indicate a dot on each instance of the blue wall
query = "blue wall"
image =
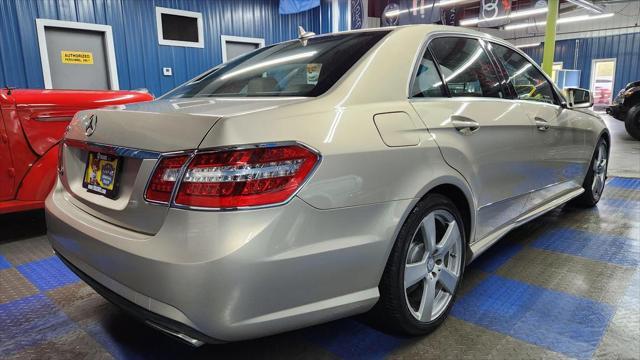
(625, 48)
(139, 57)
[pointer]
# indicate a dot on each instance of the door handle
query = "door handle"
(542, 124)
(464, 125)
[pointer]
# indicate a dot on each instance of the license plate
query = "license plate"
(101, 174)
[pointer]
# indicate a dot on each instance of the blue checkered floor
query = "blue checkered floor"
(566, 285)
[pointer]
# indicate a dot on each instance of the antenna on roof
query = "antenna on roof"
(304, 35)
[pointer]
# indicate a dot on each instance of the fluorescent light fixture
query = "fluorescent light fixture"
(528, 45)
(439, 4)
(565, 20)
(513, 15)
(588, 5)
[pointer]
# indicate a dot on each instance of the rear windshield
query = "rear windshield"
(286, 69)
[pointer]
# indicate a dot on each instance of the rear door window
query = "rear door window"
(427, 82)
(528, 82)
(466, 68)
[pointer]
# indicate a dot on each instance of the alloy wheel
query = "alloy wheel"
(599, 170)
(433, 266)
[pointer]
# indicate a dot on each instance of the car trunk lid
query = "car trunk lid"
(138, 135)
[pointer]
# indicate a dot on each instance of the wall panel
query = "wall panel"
(624, 47)
(139, 57)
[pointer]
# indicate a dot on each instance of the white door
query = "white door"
(603, 74)
(484, 135)
(77, 55)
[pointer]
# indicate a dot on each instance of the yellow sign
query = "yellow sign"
(76, 57)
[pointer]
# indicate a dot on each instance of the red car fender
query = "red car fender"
(39, 180)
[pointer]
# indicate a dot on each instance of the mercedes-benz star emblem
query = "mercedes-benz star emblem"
(90, 124)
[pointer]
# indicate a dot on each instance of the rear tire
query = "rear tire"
(425, 268)
(596, 175)
(632, 122)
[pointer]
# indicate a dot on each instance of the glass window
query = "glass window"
(291, 68)
(427, 82)
(179, 27)
(466, 67)
(528, 82)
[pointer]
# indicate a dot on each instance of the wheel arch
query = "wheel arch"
(457, 190)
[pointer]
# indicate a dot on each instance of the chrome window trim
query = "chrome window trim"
(425, 47)
(557, 94)
(439, 34)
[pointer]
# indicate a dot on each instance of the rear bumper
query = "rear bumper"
(160, 322)
(617, 111)
(228, 276)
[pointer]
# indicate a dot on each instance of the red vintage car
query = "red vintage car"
(32, 123)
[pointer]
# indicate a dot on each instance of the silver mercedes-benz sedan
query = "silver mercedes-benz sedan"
(320, 178)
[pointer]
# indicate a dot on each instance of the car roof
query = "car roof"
(427, 28)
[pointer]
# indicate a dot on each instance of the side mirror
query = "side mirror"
(578, 98)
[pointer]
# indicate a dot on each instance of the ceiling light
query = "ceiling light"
(528, 45)
(513, 15)
(565, 20)
(588, 5)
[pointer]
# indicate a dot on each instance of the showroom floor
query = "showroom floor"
(564, 285)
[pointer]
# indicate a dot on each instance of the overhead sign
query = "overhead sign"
(76, 57)
(494, 13)
(411, 12)
(357, 14)
(451, 16)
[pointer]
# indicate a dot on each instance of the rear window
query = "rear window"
(286, 69)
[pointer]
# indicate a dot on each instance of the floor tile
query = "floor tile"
(48, 273)
(627, 183)
(457, 339)
(612, 249)
(351, 339)
(26, 250)
(71, 346)
(14, 286)
(80, 302)
(622, 339)
(579, 276)
(560, 322)
(30, 321)
(497, 255)
(4, 264)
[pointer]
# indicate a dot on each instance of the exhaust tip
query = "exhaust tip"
(180, 336)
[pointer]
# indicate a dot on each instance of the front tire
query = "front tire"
(424, 269)
(595, 180)
(632, 122)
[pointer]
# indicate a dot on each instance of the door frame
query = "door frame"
(112, 69)
(240, 39)
(593, 71)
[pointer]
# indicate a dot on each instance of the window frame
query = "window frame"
(508, 90)
(426, 47)
(414, 77)
(558, 100)
(184, 13)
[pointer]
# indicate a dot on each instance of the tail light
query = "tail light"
(248, 177)
(245, 177)
(164, 179)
